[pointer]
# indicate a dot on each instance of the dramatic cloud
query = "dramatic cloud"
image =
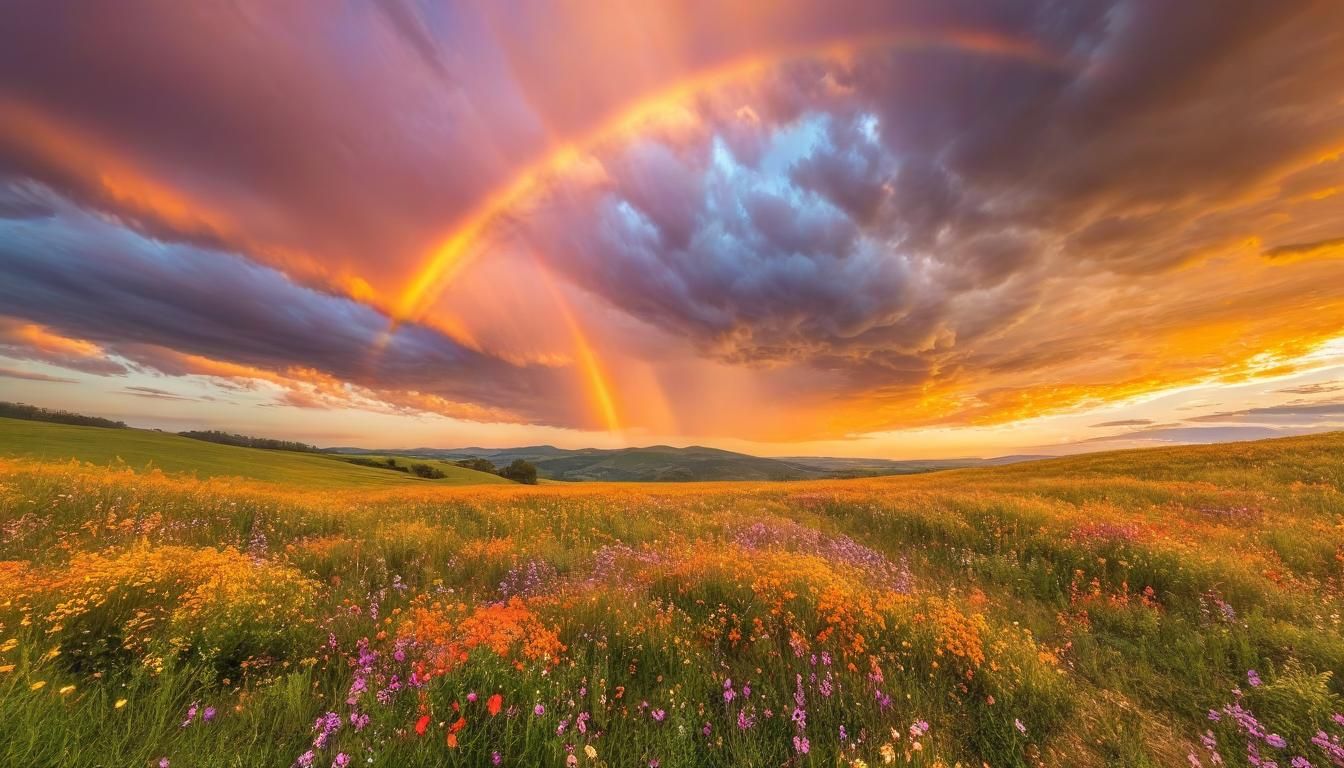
(762, 220)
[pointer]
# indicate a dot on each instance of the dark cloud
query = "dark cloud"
(11, 373)
(154, 393)
(1200, 435)
(151, 304)
(1125, 423)
(1288, 413)
(1304, 249)
(1317, 388)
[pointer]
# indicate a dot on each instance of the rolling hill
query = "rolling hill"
(664, 463)
(141, 449)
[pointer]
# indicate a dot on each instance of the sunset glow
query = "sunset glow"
(896, 230)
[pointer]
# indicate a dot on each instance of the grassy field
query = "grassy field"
(141, 449)
(1153, 608)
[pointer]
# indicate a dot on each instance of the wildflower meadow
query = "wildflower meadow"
(1179, 607)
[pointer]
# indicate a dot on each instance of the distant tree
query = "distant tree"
(427, 471)
(520, 472)
(34, 413)
(480, 465)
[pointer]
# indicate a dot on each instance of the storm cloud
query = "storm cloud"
(891, 214)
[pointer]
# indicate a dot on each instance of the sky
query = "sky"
(898, 228)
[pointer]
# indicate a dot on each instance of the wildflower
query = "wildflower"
(342, 760)
(658, 715)
(208, 715)
(493, 705)
(1276, 741)
(37, 686)
(120, 703)
(66, 689)
(539, 710)
(571, 761)
(888, 753)
(1253, 678)
(744, 721)
(471, 697)
(1300, 762)
(306, 759)
(801, 745)
(7, 668)
(1194, 760)
(496, 758)
(1022, 729)
(590, 751)
(163, 762)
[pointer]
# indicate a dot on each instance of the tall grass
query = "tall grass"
(1090, 611)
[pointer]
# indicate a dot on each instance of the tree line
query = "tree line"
(246, 441)
(34, 413)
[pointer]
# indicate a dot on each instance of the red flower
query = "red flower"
(454, 728)
(492, 706)
(421, 725)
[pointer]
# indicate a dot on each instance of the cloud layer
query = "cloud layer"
(842, 219)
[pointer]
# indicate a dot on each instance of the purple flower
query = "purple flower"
(163, 762)
(1253, 678)
(306, 759)
(496, 758)
(471, 697)
(209, 714)
(1022, 729)
(539, 710)
(342, 760)
(801, 745)
(1276, 741)
(658, 715)
(745, 721)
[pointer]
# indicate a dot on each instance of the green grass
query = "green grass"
(1080, 612)
(455, 475)
(144, 449)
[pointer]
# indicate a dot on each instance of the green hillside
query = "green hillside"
(140, 449)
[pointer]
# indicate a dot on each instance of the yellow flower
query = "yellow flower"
(120, 703)
(590, 751)
(66, 689)
(7, 668)
(37, 686)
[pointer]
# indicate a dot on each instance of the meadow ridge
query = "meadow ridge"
(1148, 608)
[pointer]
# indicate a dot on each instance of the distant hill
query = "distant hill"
(664, 463)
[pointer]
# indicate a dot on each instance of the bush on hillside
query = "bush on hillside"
(520, 472)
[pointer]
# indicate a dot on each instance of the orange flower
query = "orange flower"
(492, 706)
(421, 725)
